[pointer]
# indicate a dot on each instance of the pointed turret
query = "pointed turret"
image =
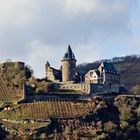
(69, 55)
(47, 64)
(68, 66)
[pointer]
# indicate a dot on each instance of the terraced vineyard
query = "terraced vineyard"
(6, 93)
(58, 109)
(48, 109)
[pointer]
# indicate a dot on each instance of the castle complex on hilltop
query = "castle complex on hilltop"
(16, 78)
(104, 79)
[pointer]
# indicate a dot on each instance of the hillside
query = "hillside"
(92, 119)
(49, 109)
(130, 73)
(128, 67)
(5, 92)
(12, 77)
(89, 118)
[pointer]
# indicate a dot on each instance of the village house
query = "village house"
(105, 74)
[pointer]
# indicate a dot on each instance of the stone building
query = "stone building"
(16, 65)
(19, 65)
(68, 66)
(12, 65)
(53, 74)
(105, 74)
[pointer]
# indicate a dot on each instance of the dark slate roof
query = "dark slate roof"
(109, 68)
(57, 73)
(97, 72)
(47, 63)
(69, 55)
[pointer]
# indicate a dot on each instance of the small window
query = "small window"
(91, 73)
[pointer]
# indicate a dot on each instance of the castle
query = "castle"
(17, 78)
(104, 79)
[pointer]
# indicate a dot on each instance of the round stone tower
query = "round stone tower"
(68, 66)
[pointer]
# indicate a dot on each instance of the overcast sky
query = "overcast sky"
(36, 31)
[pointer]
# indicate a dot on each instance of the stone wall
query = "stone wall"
(80, 87)
(88, 88)
(16, 65)
(104, 89)
(112, 78)
(53, 74)
(50, 74)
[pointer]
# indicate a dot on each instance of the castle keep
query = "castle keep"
(68, 66)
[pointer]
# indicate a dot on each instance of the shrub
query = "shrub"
(103, 136)
(138, 111)
(124, 124)
(125, 113)
(138, 125)
(110, 127)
